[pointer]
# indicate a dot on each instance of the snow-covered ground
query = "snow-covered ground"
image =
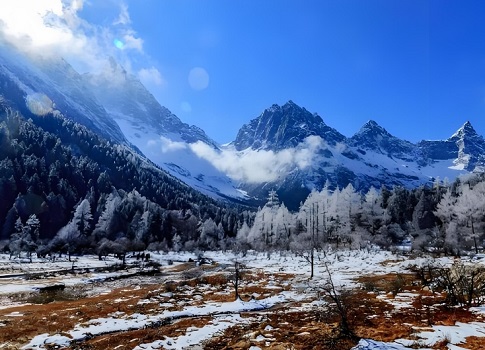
(345, 266)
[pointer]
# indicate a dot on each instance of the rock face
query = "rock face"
(465, 147)
(371, 157)
(280, 127)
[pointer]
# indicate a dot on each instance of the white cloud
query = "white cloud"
(124, 17)
(132, 42)
(253, 166)
(170, 146)
(26, 22)
(151, 76)
(53, 27)
(151, 143)
(39, 104)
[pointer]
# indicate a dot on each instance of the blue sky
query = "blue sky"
(416, 67)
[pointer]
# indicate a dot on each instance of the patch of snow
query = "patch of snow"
(368, 344)
(456, 334)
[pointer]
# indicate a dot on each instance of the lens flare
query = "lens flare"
(198, 78)
(118, 44)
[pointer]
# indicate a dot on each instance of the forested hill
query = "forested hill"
(64, 187)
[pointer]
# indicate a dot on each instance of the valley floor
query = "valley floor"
(173, 302)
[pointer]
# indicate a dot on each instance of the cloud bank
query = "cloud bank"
(54, 27)
(253, 166)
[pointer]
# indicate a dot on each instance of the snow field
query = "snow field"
(344, 265)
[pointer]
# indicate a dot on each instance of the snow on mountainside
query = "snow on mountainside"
(116, 106)
(286, 147)
(375, 138)
(158, 133)
(465, 148)
(281, 127)
(371, 157)
(51, 83)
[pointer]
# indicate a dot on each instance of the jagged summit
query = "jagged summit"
(372, 136)
(285, 126)
(371, 127)
(466, 130)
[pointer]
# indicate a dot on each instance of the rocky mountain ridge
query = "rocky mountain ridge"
(371, 157)
(117, 106)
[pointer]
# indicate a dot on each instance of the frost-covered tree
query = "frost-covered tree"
(264, 232)
(15, 245)
(446, 212)
(350, 209)
(209, 234)
(31, 235)
(372, 211)
(241, 243)
(285, 227)
(313, 221)
(176, 242)
(470, 210)
(68, 239)
(83, 217)
(106, 222)
(25, 237)
(344, 210)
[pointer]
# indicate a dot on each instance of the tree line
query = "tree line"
(446, 218)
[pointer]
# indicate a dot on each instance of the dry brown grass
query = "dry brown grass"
(475, 343)
(370, 317)
(390, 282)
(63, 316)
(128, 340)
(291, 330)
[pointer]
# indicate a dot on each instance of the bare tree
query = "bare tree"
(341, 299)
(236, 277)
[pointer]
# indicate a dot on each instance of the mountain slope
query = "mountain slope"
(51, 166)
(157, 132)
(36, 85)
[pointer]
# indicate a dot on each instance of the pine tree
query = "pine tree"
(83, 217)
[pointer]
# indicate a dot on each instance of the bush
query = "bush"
(397, 284)
(463, 284)
(46, 297)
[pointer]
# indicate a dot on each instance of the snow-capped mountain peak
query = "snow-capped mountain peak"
(470, 148)
(372, 128)
(466, 130)
(372, 136)
(280, 127)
